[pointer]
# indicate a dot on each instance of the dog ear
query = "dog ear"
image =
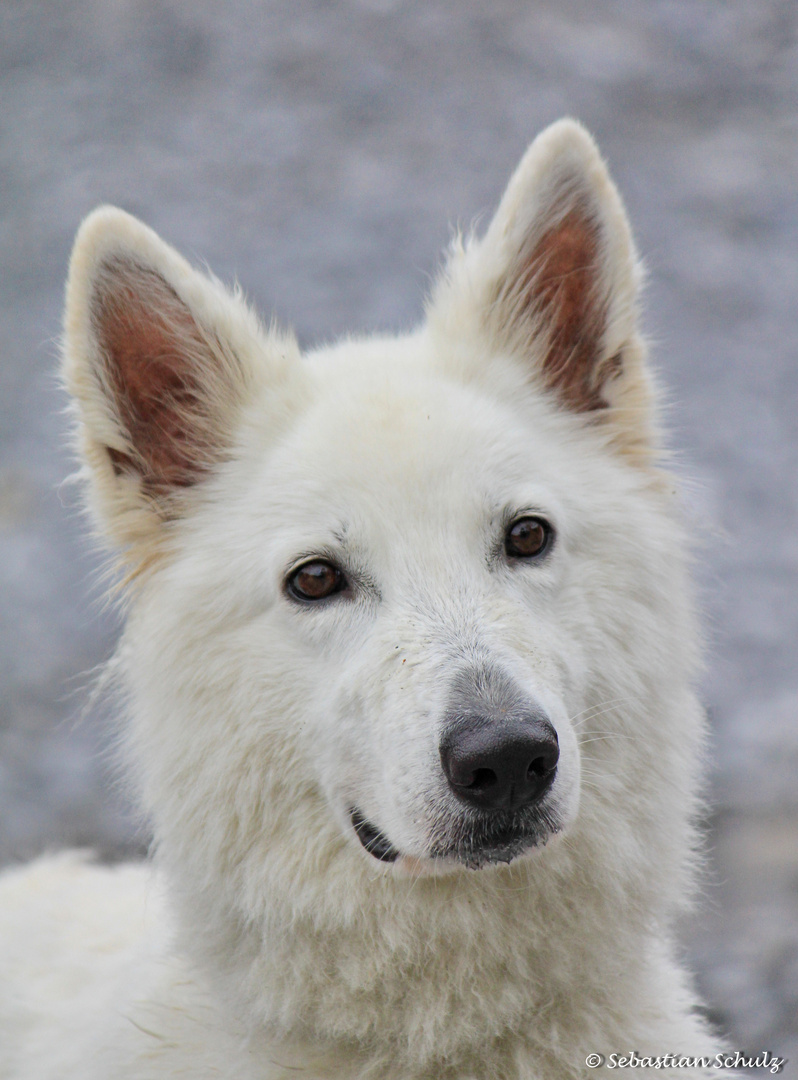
(159, 359)
(556, 280)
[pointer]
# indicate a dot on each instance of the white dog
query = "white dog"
(408, 676)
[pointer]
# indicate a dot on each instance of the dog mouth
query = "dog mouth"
(474, 846)
(372, 839)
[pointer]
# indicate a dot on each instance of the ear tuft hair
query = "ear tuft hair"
(160, 360)
(555, 282)
(555, 293)
(164, 373)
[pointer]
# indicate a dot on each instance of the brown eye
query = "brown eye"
(528, 538)
(315, 581)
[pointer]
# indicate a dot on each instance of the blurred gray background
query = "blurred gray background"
(320, 152)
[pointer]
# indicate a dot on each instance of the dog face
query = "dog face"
(373, 586)
(414, 580)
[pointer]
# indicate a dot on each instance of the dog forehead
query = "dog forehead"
(385, 414)
(382, 440)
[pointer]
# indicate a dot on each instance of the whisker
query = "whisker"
(595, 736)
(597, 709)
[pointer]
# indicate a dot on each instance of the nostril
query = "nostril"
(482, 780)
(542, 766)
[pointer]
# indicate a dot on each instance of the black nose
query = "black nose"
(500, 764)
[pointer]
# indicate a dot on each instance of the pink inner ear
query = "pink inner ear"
(151, 345)
(560, 285)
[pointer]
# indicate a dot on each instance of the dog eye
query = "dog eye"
(315, 581)
(528, 538)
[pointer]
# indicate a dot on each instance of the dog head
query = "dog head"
(377, 590)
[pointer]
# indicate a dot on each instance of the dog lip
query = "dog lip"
(489, 846)
(477, 858)
(371, 838)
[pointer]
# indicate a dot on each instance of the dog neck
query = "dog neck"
(407, 972)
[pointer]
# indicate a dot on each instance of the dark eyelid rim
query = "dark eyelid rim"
(510, 517)
(357, 581)
(321, 554)
(342, 586)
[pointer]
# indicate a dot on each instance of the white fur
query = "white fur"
(264, 939)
